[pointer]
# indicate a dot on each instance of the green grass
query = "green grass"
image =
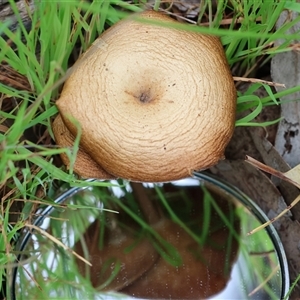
(28, 171)
(69, 225)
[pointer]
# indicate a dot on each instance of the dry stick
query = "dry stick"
(287, 209)
(147, 207)
(280, 175)
(255, 80)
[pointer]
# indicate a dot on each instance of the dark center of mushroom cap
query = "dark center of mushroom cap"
(144, 97)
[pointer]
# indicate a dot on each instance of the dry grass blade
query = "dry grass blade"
(32, 278)
(288, 176)
(53, 239)
(292, 176)
(274, 271)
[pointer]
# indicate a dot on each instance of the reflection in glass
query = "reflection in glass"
(179, 240)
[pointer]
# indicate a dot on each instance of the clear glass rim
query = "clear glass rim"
(261, 216)
(202, 176)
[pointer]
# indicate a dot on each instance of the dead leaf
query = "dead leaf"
(271, 157)
(292, 176)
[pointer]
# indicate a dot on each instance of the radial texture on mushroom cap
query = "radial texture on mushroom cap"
(153, 102)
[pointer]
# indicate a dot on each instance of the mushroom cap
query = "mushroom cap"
(200, 275)
(133, 263)
(83, 161)
(153, 102)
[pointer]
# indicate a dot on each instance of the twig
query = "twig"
(254, 80)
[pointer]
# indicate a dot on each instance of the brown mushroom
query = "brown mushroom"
(153, 102)
(203, 269)
(123, 259)
(202, 274)
(115, 252)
